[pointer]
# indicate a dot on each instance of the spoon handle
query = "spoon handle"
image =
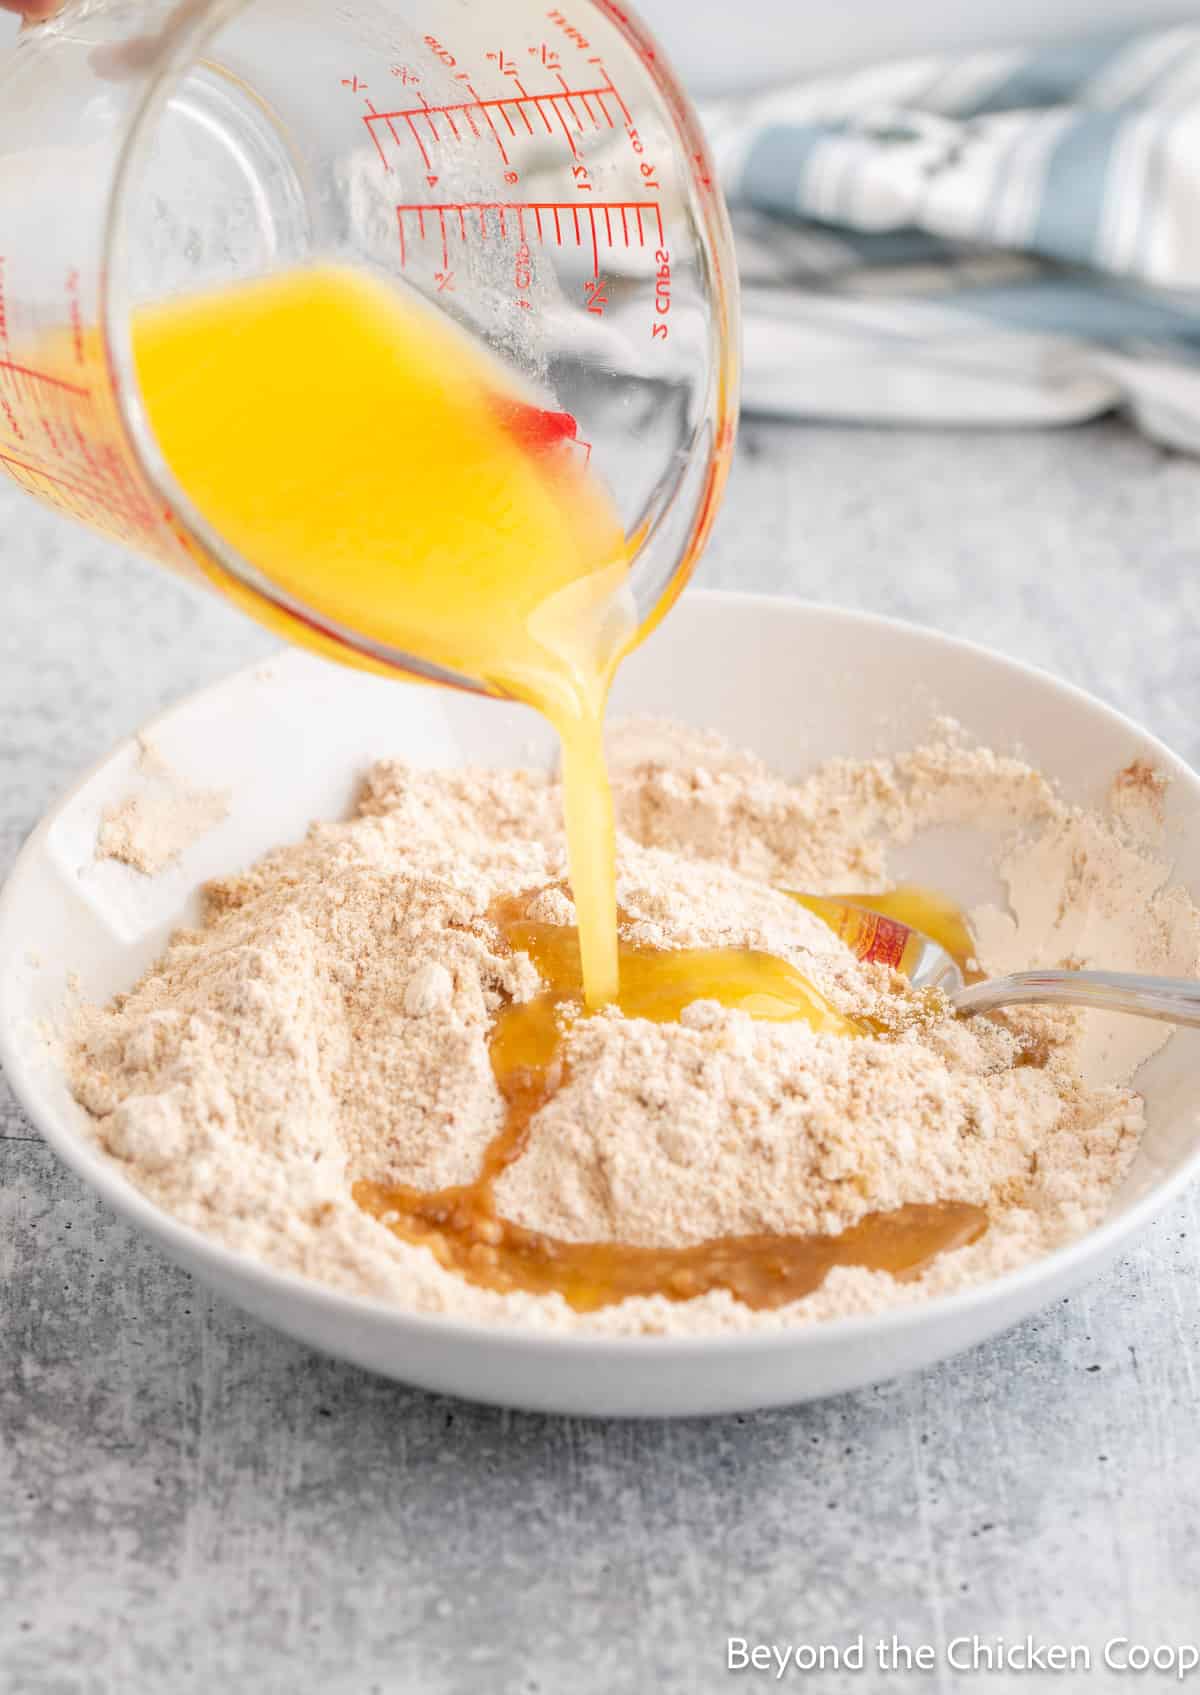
(1174, 1000)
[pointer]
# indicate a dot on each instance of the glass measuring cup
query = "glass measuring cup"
(534, 172)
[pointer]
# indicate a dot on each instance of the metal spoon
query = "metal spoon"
(872, 929)
(1173, 1000)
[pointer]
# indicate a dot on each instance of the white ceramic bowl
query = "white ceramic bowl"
(796, 683)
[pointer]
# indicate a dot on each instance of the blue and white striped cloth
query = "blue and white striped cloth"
(1000, 238)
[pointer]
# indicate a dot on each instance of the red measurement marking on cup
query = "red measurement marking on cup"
(79, 498)
(574, 111)
(101, 497)
(561, 223)
(16, 372)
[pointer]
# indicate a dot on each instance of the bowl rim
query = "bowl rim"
(1006, 1293)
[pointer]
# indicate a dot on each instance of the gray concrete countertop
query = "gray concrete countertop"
(190, 1503)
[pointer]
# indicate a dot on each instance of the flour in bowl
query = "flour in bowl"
(149, 828)
(326, 1034)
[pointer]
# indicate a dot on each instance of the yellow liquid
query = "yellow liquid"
(369, 461)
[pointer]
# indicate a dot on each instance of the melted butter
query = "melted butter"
(657, 983)
(462, 1225)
